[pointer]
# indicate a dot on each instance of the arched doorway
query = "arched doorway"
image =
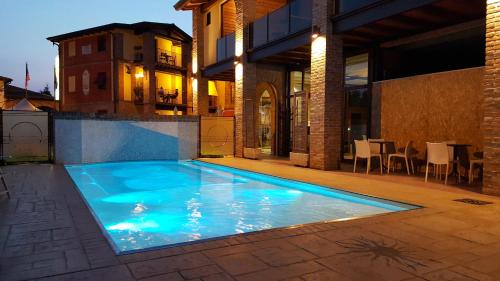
(266, 118)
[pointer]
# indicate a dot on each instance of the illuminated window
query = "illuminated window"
(87, 49)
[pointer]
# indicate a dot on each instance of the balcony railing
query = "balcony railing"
(168, 96)
(225, 47)
(168, 58)
(290, 19)
(350, 5)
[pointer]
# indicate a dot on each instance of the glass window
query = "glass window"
(101, 43)
(356, 72)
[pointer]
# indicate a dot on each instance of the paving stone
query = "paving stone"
(167, 265)
(476, 236)
(200, 272)
(76, 260)
(280, 273)
(218, 277)
(447, 275)
(325, 275)
(59, 245)
(148, 255)
(240, 263)
(279, 257)
(242, 248)
(485, 265)
(63, 233)
(16, 251)
(102, 274)
(28, 237)
(316, 245)
(165, 277)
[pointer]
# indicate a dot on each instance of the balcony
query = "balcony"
(169, 98)
(290, 19)
(225, 47)
(345, 6)
(167, 58)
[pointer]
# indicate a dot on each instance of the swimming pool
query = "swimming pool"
(143, 205)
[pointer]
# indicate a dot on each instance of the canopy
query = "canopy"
(25, 105)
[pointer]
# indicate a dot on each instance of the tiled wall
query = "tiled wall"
(94, 141)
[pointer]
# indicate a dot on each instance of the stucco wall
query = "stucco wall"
(94, 141)
(433, 107)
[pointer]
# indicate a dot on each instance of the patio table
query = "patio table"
(457, 148)
(382, 144)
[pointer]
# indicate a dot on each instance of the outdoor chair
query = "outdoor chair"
(375, 147)
(475, 163)
(437, 155)
(406, 156)
(363, 151)
(6, 190)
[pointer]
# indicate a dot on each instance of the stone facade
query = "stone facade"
(200, 83)
(491, 119)
(245, 80)
(327, 95)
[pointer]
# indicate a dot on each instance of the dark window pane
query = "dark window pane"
(101, 44)
(101, 80)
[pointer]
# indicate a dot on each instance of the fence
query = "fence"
(26, 136)
(216, 136)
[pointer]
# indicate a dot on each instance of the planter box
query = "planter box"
(299, 159)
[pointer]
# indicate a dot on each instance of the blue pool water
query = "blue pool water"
(151, 204)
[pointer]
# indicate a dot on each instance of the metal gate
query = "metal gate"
(26, 136)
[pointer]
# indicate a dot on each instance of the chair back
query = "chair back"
(409, 149)
(375, 147)
(451, 149)
(437, 153)
(362, 148)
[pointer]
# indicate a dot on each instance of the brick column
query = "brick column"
(200, 84)
(245, 83)
(491, 120)
(327, 94)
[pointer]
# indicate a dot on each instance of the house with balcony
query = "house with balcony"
(127, 69)
(310, 77)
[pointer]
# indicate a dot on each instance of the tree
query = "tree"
(46, 90)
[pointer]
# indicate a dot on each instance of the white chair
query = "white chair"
(437, 155)
(406, 156)
(375, 147)
(363, 152)
(478, 162)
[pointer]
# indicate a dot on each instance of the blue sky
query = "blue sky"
(25, 25)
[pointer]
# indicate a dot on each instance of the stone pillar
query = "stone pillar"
(491, 119)
(327, 94)
(245, 84)
(200, 84)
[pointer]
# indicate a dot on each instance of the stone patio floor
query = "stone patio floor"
(47, 233)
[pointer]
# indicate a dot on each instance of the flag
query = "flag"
(27, 78)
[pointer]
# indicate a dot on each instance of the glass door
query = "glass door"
(357, 104)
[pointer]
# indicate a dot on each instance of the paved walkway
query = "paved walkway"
(47, 233)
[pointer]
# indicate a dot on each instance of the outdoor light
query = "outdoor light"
(139, 75)
(315, 32)
(237, 60)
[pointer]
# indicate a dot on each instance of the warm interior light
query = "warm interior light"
(139, 73)
(315, 32)
(212, 89)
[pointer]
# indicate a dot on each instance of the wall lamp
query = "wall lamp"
(315, 32)
(237, 60)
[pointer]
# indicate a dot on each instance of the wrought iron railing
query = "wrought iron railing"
(168, 58)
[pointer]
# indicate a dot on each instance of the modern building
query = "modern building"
(308, 77)
(12, 96)
(129, 69)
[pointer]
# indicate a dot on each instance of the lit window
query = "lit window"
(87, 49)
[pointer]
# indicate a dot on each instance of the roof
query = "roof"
(25, 105)
(5, 79)
(189, 4)
(138, 28)
(17, 93)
